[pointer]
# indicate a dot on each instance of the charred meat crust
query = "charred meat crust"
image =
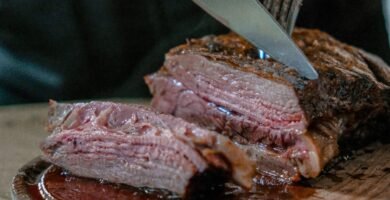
(344, 70)
(223, 73)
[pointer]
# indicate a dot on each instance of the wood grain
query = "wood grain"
(365, 175)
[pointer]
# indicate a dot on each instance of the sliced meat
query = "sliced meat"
(289, 125)
(134, 145)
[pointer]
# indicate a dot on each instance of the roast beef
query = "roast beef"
(134, 145)
(289, 125)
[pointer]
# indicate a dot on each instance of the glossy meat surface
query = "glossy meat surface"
(276, 115)
(135, 145)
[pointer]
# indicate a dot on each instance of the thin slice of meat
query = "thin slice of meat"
(289, 125)
(134, 145)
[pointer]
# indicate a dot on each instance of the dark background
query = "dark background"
(84, 49)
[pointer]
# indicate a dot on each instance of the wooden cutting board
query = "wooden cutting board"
(364, 175)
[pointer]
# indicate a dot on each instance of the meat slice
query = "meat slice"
(289, 125)
(134, 145)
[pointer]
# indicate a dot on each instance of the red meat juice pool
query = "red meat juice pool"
(59, 184)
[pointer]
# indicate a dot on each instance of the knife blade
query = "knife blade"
(252, 21)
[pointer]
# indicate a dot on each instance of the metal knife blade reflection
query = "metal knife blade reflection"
(252, 21)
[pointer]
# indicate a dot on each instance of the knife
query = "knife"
(252, 21)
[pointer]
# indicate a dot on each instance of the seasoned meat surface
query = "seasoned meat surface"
(289, 125)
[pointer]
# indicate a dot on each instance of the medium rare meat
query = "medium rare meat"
(289, 125)
(134, 145)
